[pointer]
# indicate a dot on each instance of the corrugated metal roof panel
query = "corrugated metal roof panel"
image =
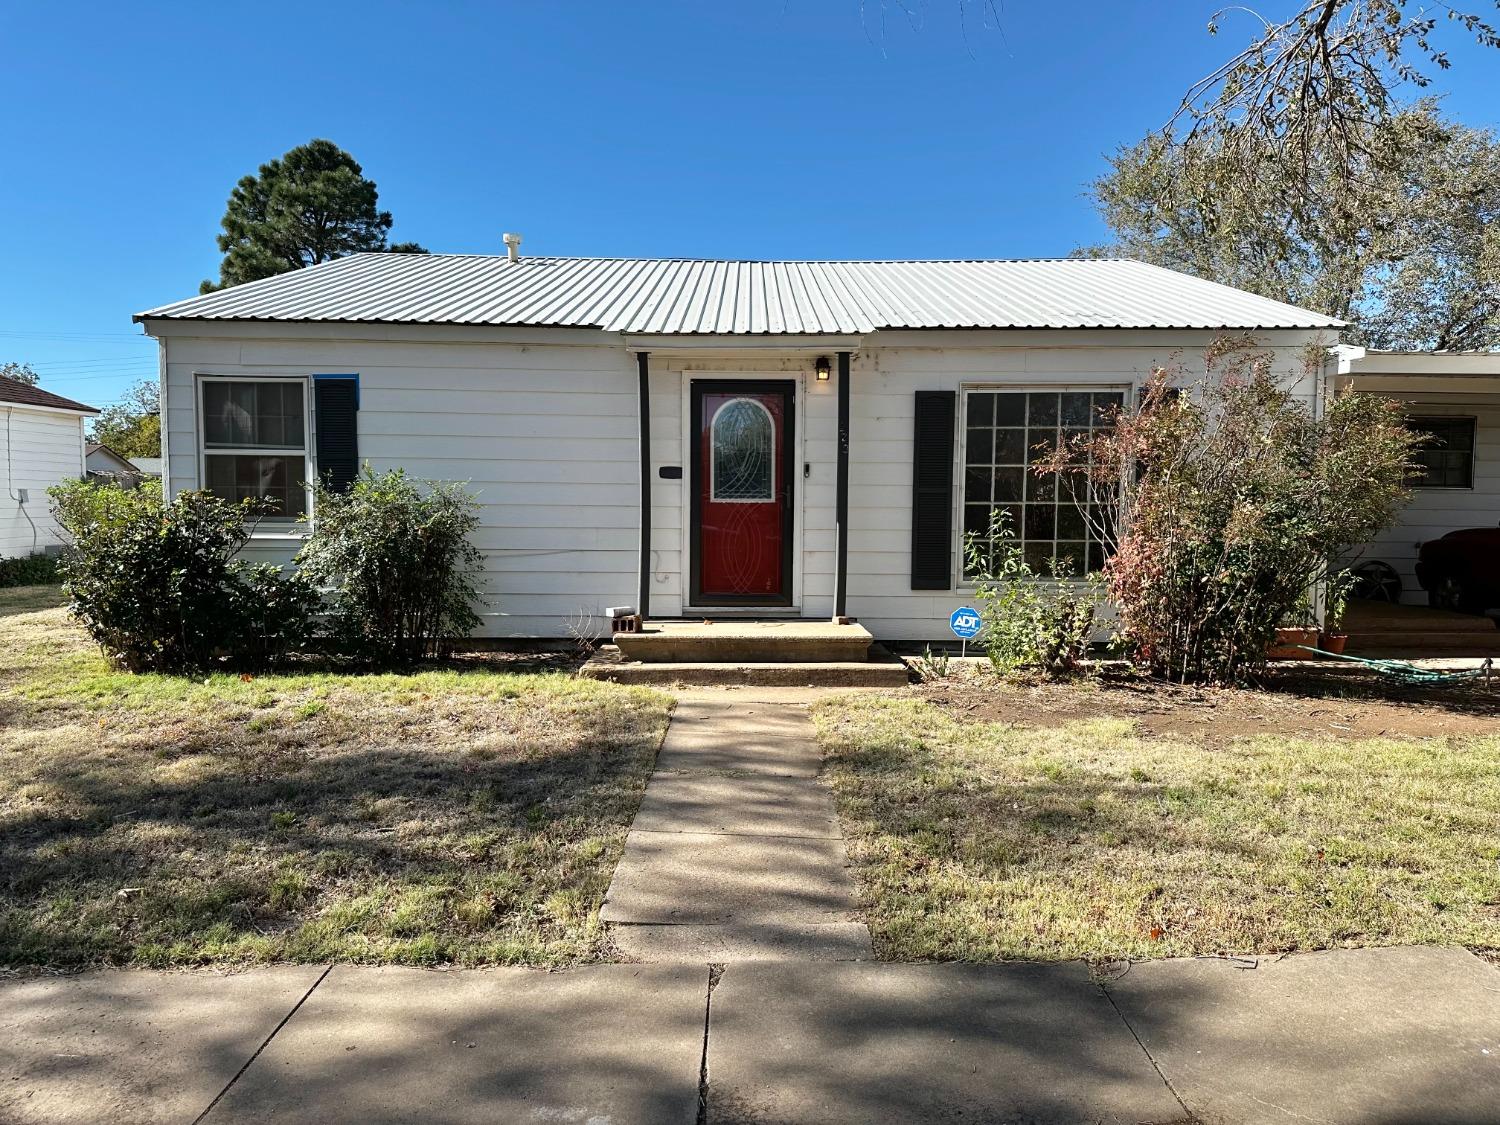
(672, 296)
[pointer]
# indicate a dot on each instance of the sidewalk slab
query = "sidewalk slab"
(868, 1044)
(745, 941)
(730, 738)
(133, 1046)
(757, 805)
(608, 1043)
(1367, 1036)
(705, 877)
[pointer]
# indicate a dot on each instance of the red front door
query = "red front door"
(742, 493)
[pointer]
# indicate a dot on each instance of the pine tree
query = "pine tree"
(311, 205)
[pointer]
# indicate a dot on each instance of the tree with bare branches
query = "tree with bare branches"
(1314, 86)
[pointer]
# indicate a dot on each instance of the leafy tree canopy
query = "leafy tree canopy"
(1408, 249)
(20, 372)
(131, 427)
(311, 205)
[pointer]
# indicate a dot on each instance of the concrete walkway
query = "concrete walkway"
(736, 853)
(1363, 1037)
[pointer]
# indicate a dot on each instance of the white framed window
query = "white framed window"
(1008, 431)
(1445, 456)
(254, 440)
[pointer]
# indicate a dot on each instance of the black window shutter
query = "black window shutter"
(932, 492)
(336, 402)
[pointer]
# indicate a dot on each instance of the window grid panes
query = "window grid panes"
(1446, 454)
(253, 415)
(255, 442)
(1008, 432)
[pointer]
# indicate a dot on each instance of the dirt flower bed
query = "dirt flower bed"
(466, 814)
(1292, 698)
(1122, 819)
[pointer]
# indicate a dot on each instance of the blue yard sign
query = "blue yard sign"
(965, 623)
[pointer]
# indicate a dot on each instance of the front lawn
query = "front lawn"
(1046, 835)
(466, 814)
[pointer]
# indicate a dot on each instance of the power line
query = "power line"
(88, 360)
(138, 336)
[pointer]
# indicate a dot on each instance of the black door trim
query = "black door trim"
(787, 480)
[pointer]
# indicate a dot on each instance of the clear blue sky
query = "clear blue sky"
(715, 128)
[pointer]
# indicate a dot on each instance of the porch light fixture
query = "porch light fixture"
(822, 367)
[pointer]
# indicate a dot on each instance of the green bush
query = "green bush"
(28, 570)
(396, 565)
(1038, 621)
(158, 587)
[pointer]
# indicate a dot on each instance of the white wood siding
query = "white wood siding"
(547, 434)
(37, 450)
(1433, 512)
(547, 437)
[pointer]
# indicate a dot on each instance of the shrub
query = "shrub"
(1234, 497)
(397, 566)
(158, 588)
(1039, 621)
(28, 570)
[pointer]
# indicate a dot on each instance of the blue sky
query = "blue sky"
(733, 128)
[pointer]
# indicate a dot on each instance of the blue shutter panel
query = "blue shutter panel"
(336, 402)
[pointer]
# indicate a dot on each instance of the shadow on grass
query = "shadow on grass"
(427, 830)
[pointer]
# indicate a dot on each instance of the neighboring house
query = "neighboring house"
(698, 438)
(41, 444)
(1454, 398)
(104, 462)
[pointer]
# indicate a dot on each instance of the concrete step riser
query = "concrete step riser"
(752, 675)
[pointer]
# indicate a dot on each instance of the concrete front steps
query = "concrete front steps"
(760, 653)
(1409, 631)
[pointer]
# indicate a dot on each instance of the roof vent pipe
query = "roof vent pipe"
(512, 246)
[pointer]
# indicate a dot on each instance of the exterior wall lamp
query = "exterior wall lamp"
(822, 367)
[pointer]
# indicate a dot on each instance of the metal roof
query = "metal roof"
(694, 296)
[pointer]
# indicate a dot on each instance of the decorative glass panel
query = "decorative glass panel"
(744, 461)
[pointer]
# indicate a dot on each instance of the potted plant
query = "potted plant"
(1340, 586)
(1292, 641)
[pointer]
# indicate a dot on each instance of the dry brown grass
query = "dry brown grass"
(1057, 837)
(452, 815)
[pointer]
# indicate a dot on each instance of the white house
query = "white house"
(1454, 397)
(41, 444)
(697, 438)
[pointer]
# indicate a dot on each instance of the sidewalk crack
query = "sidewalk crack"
(264, 1044)
(715, 971)
(1189, 1118)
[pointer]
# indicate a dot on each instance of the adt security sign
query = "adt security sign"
(965, 623)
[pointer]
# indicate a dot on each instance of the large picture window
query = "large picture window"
(255, 441)
(1446, 454)
(1008, 432)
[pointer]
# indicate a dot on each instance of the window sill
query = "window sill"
(278, 534)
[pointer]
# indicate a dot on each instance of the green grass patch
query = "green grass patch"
(455, 815)
(979, 840)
